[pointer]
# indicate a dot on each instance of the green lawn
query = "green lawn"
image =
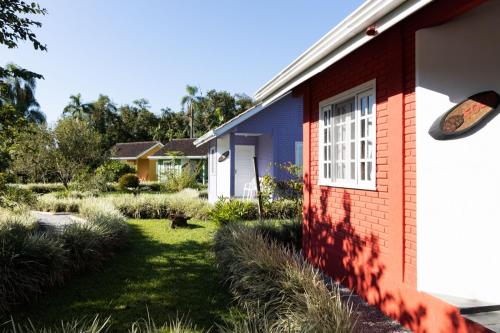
(166, 271)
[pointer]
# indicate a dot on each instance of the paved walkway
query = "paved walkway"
(54, 221)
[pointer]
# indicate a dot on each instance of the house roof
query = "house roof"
(233, 122)
(132, 150)
(183, 146)
(228, 125)
(343, 39)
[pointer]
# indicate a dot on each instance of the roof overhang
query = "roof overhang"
(343, 39)
(141, 154)
(187, 157)
(216, 132)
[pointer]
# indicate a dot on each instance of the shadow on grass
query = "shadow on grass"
(166, 272)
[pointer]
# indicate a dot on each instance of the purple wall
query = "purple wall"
(281, 122)
(279, 126)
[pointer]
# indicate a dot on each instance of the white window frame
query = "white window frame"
(213, 161)
(354, 93)
(299, 150)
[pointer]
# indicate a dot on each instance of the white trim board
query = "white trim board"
(181, 157)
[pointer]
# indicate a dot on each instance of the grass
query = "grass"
(169, 273)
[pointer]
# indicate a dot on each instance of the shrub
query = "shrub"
(282, 209)
(30, 261)
(232, 210)
(152, 186)
(177, 181)
(128, 181)
(112, 170)
(277, 286)
(13, 196)
(89, 181)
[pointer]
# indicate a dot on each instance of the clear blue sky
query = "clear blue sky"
(152, 49)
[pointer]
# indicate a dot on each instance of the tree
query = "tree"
(19, 91)
(32, 154)
(15, 26)
(171, 125)
(139, 123)
(190, 101)
(77, 109)
(78, 148)
(104, 119)
(11, 124)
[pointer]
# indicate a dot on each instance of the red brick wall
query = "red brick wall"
(367, 239)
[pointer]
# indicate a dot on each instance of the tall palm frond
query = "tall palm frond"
(19, 91)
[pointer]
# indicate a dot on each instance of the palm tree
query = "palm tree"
(19, 91)
(76, 108)
(191, 100)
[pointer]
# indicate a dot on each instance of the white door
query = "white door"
(243, 165)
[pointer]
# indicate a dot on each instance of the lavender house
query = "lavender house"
(273, 136)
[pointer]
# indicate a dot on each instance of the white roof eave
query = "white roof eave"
(343, 39)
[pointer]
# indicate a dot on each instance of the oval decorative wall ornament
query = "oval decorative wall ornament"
(466, 117)
(223, 156)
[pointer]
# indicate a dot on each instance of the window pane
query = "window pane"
(344, 148)
(362, 152)
(370, 127)
(371, 103)
(369, 152)
(344, 136)
(329, 152)
(353, 170)
(363, 106)
(353, 150)
(369, 171)
(362, 171)
(353, 130)
(363, 128)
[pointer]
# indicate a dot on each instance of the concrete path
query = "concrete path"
(54, 221)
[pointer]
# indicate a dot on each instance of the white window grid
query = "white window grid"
(341, 117)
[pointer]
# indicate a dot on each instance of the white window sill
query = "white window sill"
(365, 187)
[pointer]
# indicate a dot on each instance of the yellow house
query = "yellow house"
(136, 154)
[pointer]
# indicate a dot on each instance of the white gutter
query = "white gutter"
(343, 39)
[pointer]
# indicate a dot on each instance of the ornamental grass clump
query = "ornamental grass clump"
(157, 206)
(276, 285)
(30, 261)
(98, 325)
(57, 204)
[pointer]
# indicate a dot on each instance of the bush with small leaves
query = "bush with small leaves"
(128, 181)
(233, 210)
